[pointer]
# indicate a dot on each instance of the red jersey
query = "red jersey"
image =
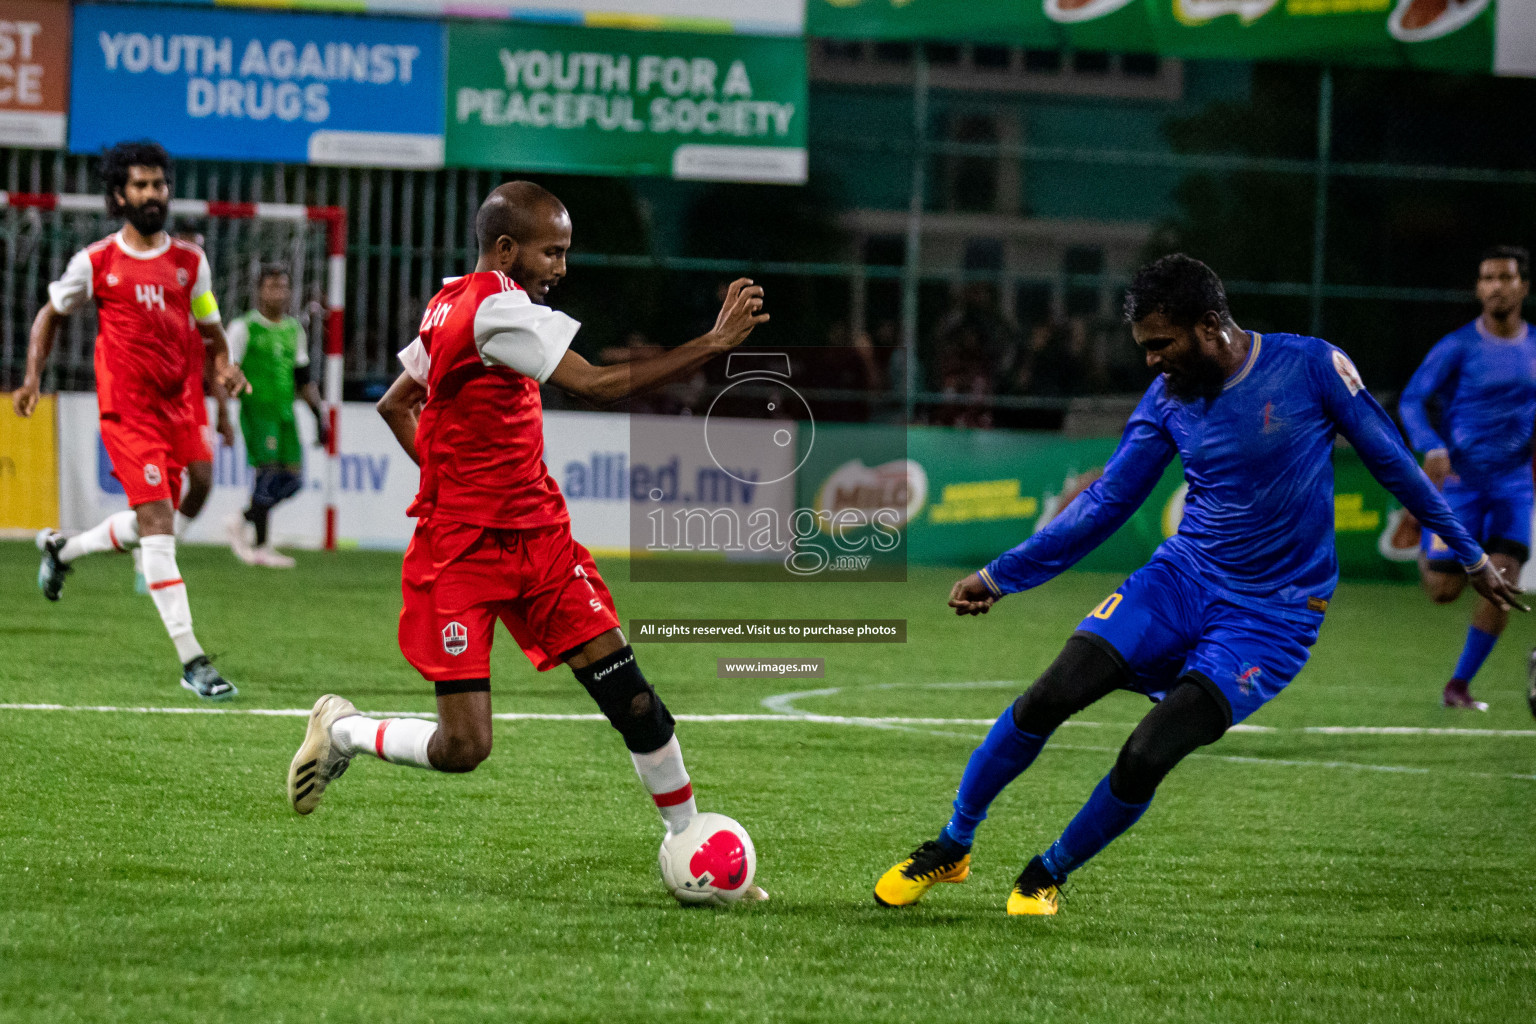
(483, 351)
(144, 300)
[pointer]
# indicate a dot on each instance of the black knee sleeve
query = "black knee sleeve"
(628, 701)
(274, 485)
(1082, 673)
(286, 485)
(1188, 718)
(449, 687)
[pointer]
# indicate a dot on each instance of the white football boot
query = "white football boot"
(318, 764)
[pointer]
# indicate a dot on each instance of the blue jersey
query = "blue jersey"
(1258, 521)
(1486, 386)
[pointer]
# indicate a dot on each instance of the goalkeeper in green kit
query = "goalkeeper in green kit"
(273, 352)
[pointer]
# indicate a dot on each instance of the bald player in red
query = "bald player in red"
(146, 285)
(493, 536)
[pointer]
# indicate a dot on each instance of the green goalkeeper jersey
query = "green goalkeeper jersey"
(268, 352)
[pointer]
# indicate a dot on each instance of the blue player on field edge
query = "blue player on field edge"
(1225, 613)
(1483, 377)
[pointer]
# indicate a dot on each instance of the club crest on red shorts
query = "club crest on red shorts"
(455, 638)
(152, 475)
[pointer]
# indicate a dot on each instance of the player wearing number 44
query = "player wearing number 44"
(1227, 610)
(493, 536)
(147, 287)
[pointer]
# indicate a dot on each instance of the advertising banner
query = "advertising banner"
(655, 485)
(1464, 35)
(748, 17)
(594, 101)
(34, 72)
(587, 453)
(29, 473)
(248, 86)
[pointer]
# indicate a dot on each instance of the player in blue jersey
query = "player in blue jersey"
(1483, 379)
(1225, 613)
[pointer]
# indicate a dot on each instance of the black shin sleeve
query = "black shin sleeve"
(1188, 718)
(1082, 673)
(628, 701)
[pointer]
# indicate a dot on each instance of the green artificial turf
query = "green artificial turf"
(152, 870)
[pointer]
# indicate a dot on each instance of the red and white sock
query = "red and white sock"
(666, 780)
(397, 740)
(117, 532)
(169, 593)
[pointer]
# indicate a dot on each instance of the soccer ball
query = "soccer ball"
(710, 861)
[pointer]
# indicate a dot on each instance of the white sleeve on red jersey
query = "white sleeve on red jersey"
(66, 294)
(204, 306)
(511, 331)
(416, 360)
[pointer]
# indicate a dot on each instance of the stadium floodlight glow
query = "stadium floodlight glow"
(334, 219)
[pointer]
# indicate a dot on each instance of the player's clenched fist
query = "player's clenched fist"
(740, 313)
(24, 398)
(970, 596)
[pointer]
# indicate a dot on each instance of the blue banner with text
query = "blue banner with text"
(259, 86)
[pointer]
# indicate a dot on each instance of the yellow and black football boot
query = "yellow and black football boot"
(929, 864)
(1036, 893)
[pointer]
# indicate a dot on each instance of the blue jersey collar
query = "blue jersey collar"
(1253, 357)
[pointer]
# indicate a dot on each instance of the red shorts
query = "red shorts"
(149, 453)
(459, 579)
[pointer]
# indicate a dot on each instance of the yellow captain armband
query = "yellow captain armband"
(205, 307)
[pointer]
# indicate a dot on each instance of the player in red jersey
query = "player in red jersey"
(493, 536)
(199, 473)
(145, 285)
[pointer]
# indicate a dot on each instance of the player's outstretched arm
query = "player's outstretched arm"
(605, 385)
(398, 407)
(1137, 465)
(39, 348)
(1429, 381)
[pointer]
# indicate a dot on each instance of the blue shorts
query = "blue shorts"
(1163, 625)
(1497, 515)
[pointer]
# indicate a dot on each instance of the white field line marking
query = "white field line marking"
(1280, 762)
(794, 715)
(902, 724)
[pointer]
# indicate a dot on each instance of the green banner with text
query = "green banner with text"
(1451, 35)
(609, 101)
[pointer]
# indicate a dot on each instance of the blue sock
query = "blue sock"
(1479, 644)
(1100, 821)
(1006, 752)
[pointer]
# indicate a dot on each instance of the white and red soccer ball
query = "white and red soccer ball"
(710, 861)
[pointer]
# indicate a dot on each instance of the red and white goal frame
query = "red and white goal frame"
(334, 219)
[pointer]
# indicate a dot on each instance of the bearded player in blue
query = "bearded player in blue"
(1483, 377)
(1223, 616)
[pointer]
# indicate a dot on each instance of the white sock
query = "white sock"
(169, 593)
(117, 532)
(666, 780)
(397, 740)
(182, 523)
